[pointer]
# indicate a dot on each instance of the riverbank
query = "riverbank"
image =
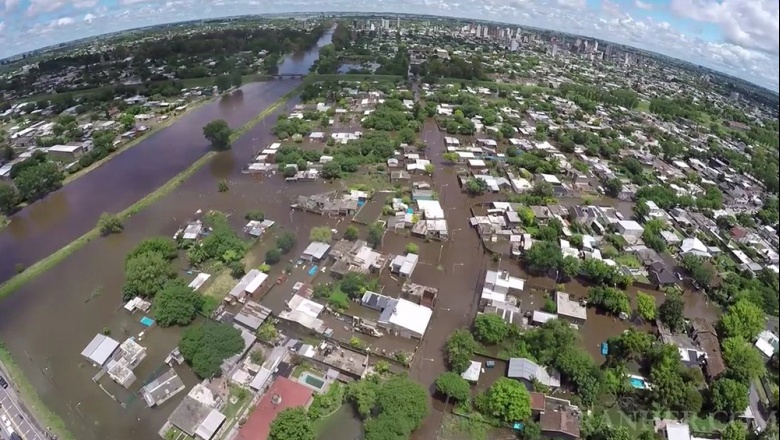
(52, 260)
(126, 146)
(32, 401)
(315, 77)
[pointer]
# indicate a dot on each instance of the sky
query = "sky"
(738, 37)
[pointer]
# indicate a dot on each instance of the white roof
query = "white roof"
(630, 225)
(678, 431)
(317, 249)
(694, 246)
(472, 372)
(411, 316)
(64, 148)
(549, 178)
(197, 283)
(569, 307)
(260, 379)
(210, 425)
(477, 163)
(256, 282)
(100, 349)
(542, 317)
(504, 280)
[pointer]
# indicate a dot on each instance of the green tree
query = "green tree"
(146, 274)
(222, 82)
(267, 331)
(543, 257)
(273, 256)
(452, 385)
(109, 224)
(460, 347)
(613, 187)
(127, 121)
(218, 133)
(9, 199)
(286, 242)
(645, 305)
(735, 430)
(729, 395)
(570, 266)
(450, 157)
(672, 312)
(351, 233)
(331, 170)
(376, 231)
(406, 136)
(412, 248)
(236, 79)
(165, 246)
(363, 394)
(35, 181)
(614, 301)
(744, 362)
(507, 400)
(320, 233)
(255, 214)
(176, 304)
(206, 346)
(490, 328)
(743, 320)
(292, 424)
(476, 187)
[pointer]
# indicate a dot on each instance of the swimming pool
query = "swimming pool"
(312, 381)
(638, 382)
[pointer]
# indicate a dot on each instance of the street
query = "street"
(16, 417)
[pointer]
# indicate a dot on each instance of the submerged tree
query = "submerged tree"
(218, 133)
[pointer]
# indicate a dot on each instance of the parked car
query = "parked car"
(3, 383)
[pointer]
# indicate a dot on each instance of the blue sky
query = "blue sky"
(739, 37)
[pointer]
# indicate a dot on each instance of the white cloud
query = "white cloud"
(611, 8)
(572, 4)
(11, 4)
(753, 24)
(40, 6)
(642, 5)
(89, 17)
(64, 21)
(83, 4)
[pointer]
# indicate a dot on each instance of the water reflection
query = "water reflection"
(222, 166)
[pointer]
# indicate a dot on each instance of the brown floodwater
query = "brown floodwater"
(48, 322)
(49, 224)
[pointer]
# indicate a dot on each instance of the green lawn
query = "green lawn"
(628, 260)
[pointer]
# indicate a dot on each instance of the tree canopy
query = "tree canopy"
(206, 346)
(645, 306)
(729, 396)
(460, 347)
(744, 362)
(176, 304)
(507, 399)
(218, 133)
(672, 312)
(743, 320)
(146, 274)
(292, 424)
(490, 328)
(452, 385)
(393, 408)
(543, 256)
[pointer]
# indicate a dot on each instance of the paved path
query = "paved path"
(14, 417)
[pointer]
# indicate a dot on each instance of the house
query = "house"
(767, 343)
(66, 152)
(704, 334)
(472, 373)
(660, 274)
(195, 415)
(528, 371)
(630, 230)
(355, 256)
(315, 252)
(162, 388)
(562, 424)
(405, 319)
(677, 431)
(247, 285)
(252, 315)
(282, 394)
(404, 265)
(376, 301)
(694, 246)
(100, 349)
(538, 403)
(570, 309)
(125, 359)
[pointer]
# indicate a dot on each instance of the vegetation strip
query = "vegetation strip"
(26, 391)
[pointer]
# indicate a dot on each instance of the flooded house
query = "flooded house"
(527, 371)
(304, 312)
(328, 204)
(357, 256)
(404, 265)
(100, 349)
(121, 365)
(405, 318)
(315, 252)
(252, 316)
(246, 286)
(432, 223)
(569, 309)
(197, 414)
(423, 295)
(163, 388)
(257, 228)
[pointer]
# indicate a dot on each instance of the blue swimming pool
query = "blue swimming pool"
(637, 382)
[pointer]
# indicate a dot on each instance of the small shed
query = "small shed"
(316, 251)
(100, 349)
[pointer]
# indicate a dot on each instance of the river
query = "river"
(49, 224)
(48, 321)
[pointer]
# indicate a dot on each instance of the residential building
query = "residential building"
(315, 252)
(705, 336)
(404, 265)
(528, 371)
(562, 424)
(570, 309)
(100, 349)
(694, 246)
(282, 394)
(252, 315)
(405, 319)
(196, 410)
(162, 388)
(630, 230)
(246, 286)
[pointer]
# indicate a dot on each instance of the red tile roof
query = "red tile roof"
(292, 394)
(537, 401)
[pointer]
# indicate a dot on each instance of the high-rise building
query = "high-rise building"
(554, 50)
(595, 46)
(398, 22)
(627, 59)
(514, 45)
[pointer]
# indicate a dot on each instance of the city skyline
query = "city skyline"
(734, 37)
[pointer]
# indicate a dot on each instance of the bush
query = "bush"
(255, 214)
(351, 233)
(412, 248)
(222, 186)
(273, 256)
(237, 269)
(109, 224)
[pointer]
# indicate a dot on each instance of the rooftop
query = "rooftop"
(522, 368)
(252, 315)
(569, 307)
(282, 394)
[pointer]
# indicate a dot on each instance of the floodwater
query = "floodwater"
(344, 424)
(51, 319)
(51, 223)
